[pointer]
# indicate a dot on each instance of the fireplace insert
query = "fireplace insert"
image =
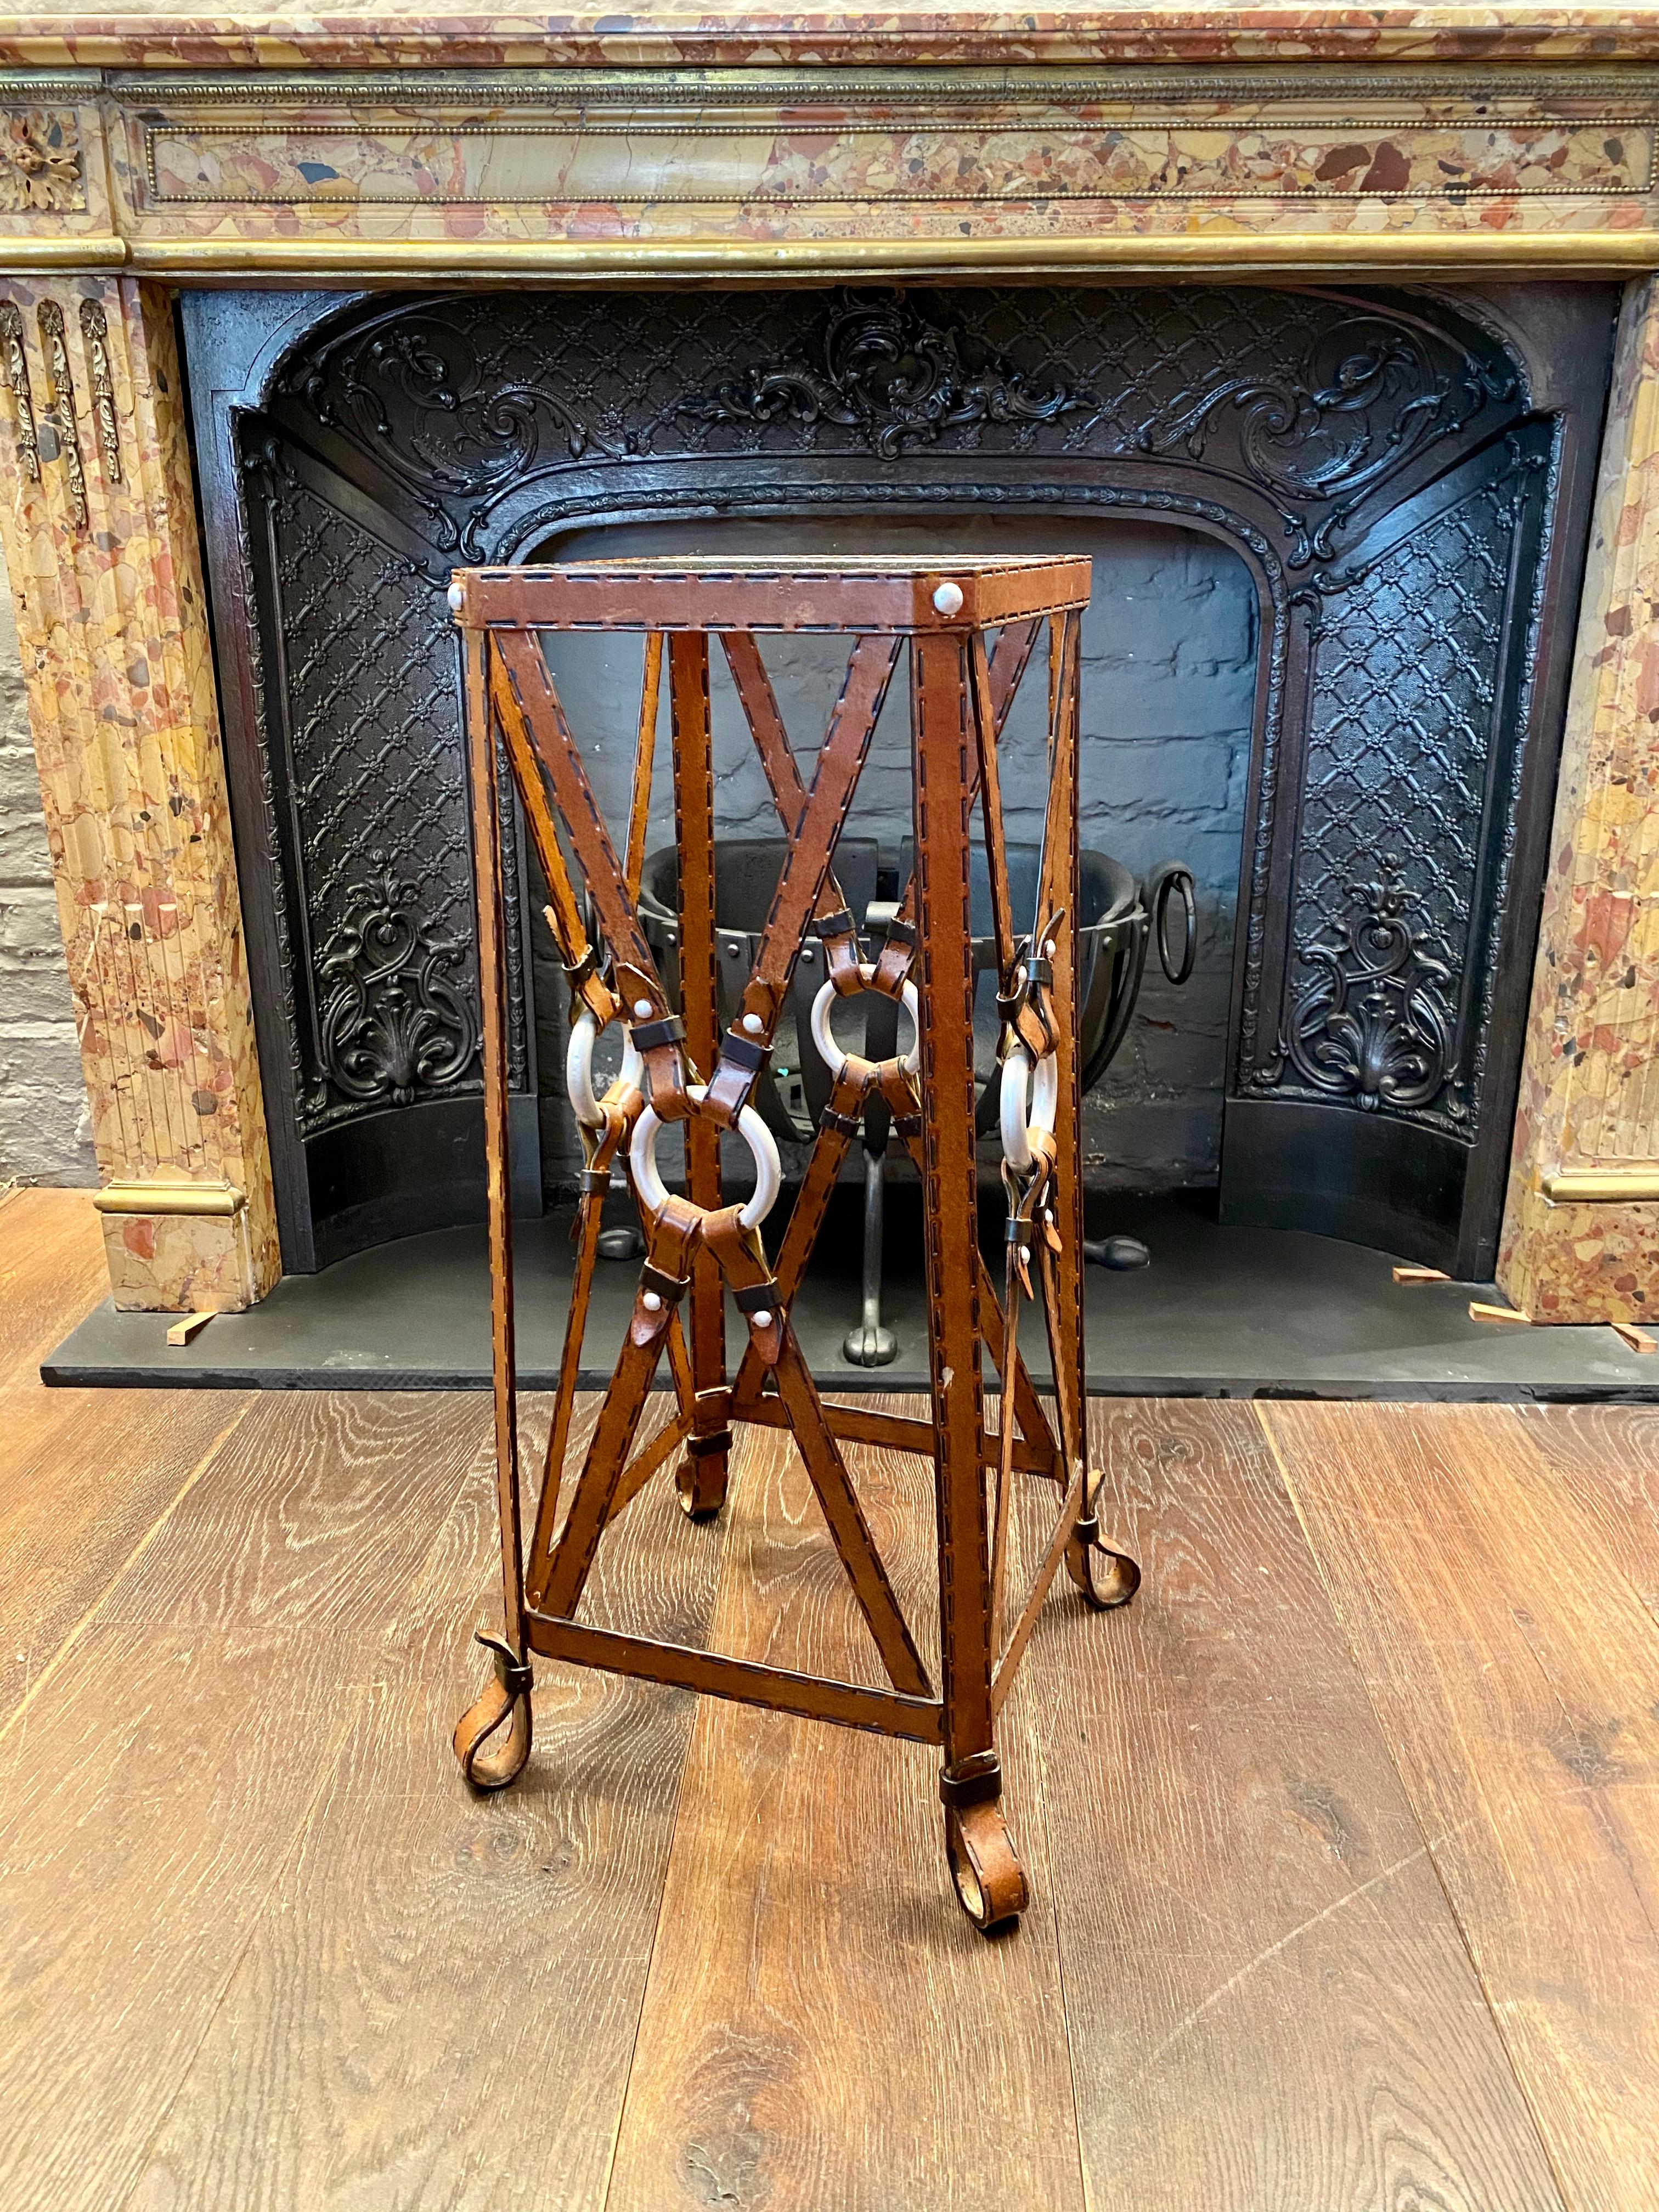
(1404, 476)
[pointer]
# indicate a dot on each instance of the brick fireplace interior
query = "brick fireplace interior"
(1338, 538)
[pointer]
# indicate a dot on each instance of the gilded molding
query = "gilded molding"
(26, 257)
(17, 375)
(94, 332)
(194, 1200)
(60, 406)
(1636, 1183)
(1400, 254)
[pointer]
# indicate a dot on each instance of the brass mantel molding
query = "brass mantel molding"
(1633, 1182)
(326, 261)
(195, 1201)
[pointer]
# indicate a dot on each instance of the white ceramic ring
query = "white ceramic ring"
(1017, 1124)
(834, 1058)
(579, 1070)
(768, 1169)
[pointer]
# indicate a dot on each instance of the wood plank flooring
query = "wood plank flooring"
(1344, 1840)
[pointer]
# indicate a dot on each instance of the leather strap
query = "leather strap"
(1007, 666)
(802, 880)
(673, 1232)
(527, 703)
(492, 1737)
(645, 748)
(743, 1264)
(777, 760)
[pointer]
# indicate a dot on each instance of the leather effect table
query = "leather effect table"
(964, 633)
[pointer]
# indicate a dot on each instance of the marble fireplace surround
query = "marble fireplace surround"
(149, 151)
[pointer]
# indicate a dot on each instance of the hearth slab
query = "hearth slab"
(1221, 1312)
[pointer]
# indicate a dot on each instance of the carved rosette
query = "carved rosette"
(40, 161)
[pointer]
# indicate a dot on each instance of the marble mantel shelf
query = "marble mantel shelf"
(1133, 31)
(150, 148)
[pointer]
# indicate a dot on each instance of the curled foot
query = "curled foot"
(989, 1879)
(492, 1736)
(1107, 1578)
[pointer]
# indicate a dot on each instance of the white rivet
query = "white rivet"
(948, 599)
(761, 1319)
(753, 1023)
(734, 947)
(651, 1301)
(1047, 1214)
(456, 600)
(808, 953)
(1049, 949)
(642, 1008)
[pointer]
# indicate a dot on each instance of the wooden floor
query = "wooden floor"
(1344, 1841)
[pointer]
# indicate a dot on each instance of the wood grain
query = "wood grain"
(52, 1274)
(1268, 2002)
(84, 1476)
(822, 2025)
(1517, 1677)
(1606, 1458)
(321, 1509)
(438, 2005)
(258, 1948)
(153, 1789)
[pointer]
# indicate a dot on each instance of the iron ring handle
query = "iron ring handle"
(1173, 876)
(654, 1192)
(579, 1070)
(834, 1058)
(1018, 1122)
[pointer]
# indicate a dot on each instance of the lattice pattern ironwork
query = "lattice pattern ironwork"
(1406, 671)
(377, 778)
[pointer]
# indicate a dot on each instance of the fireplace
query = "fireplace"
(1401, 477)
(1334, 309)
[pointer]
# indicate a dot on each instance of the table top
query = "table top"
(905, 593)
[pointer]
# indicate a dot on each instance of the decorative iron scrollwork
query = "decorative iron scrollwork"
(94, 332)
(397, 1018)
(449, 418)
(882, 367)
(1373, 1024)
(17, 375)
(1369, 394)
(60, 406)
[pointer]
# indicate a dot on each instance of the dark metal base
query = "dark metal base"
(1220, 1312)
